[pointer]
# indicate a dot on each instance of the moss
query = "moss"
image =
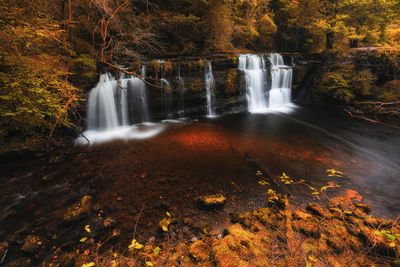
(196, 85)
(154, 67)
(75, 211)
(213, 199)
(167, 68)
(136, 67)
(232, 84)
(201, 64)
(84, 70)
(240, 248)
(200, 251)
(234, 60)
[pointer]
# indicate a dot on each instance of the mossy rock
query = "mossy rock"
(154, 67)
(136, 67)
(211, 201)
(79, 209)
(32, 244)
(240, 248)
(200, 251)
(167, 68)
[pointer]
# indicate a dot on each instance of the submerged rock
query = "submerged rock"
(32, 244)
(211, 201)
(77, 210)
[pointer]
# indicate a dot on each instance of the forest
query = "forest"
(200, 133)
(51, 53)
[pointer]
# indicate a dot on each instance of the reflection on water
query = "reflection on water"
(308, 141)
(302, 142)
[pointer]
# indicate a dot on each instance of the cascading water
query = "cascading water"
(259, 97)
(281, 86)
(181, 111)
(209, 79)
(166, 96)
(112, 105)
(253, 67)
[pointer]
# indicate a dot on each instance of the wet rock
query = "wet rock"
(21, 262)
(216, 201)
(364, 207)
(32, 244)
(79, 209)
(317, 210)
(379, 241)
(306, 225)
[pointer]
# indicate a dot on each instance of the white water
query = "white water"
(166, 96)
(181, 111)
(113, 107)
(253, 67)
(281, 85)
(259, 97)
(209, 78)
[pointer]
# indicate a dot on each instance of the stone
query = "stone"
(211, 201)
(240, 248)
(317, 210)
(77, 210)
(32, 244)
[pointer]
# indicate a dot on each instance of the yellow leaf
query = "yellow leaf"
(156, 250)
(149, 263)
(312, 258)
(168, 214)
(138, 246)
(83, 239)
(392, 244)
(165, 229)
(90, 264)
(87, 228)
(324, 188)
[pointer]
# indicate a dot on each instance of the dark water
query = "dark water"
(145, 178)
(308, 141)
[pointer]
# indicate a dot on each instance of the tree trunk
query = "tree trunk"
(69, 11)
(330, 37)
(353, 43)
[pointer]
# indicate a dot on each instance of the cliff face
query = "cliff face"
(185, 84)
(318, 79)
(185, 79)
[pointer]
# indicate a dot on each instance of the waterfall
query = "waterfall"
(253, 67)
(259, 96)
(166, 96)
(181, 111)
(281, 87)
(209, 78)
(111, 106)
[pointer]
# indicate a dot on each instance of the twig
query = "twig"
(137, 220)
(136, 75)
(5, 254)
